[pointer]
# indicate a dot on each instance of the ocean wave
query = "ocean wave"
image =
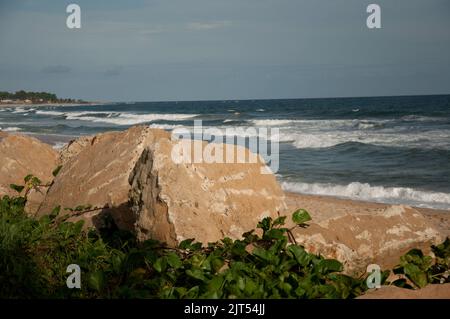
(131, 119)
(51, 113)
(313, 124)
(421, 118)
(117, 118)
(19, 110)
(367, 125)
(431, 139)
(366, 192)
(166, 126)
(318, 139)
(328, 133)
(275, 122)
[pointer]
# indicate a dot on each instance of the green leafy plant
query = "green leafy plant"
(31, 183)
(421, 270)
(264, 263)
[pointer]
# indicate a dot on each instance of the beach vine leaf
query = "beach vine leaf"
(301, 216)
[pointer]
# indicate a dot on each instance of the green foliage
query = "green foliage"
(35, 97)
(17, 188)
(421, 270)
(23, 95)
(301, 216)
(34, 254)
(31, 182)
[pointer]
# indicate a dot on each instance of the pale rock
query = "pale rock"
(21, 155)
(173, 202)
(360, 239)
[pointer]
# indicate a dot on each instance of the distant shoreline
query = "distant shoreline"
(14, 105)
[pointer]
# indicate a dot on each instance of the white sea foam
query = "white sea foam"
(165, 126)
(20, 110)
(117, 118)
(430, 139)
(360, 191)
(274, 122)
(130, 119)
(322, 124)
(59, 145)
(11, 129)
(367, 125)
(302, 138)
(51, 113)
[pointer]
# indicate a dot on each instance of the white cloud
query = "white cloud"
(154, 30)
(207, 25)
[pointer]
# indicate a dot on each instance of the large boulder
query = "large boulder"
(20, 156)
(132, 177)
(95, 172)
(206, 201)
(367, 236)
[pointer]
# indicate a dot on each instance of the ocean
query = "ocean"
(381, 149)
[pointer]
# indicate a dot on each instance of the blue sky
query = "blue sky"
(148, 50)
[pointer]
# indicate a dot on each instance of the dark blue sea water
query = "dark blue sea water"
(387, 149)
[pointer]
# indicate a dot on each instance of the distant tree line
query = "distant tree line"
(34, 97)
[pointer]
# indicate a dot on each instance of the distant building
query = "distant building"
(28, 101)
(6, 101)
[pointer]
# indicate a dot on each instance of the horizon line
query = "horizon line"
(271, 99)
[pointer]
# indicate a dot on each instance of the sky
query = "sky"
(158, 50)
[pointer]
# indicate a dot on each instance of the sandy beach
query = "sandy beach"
(325, 207)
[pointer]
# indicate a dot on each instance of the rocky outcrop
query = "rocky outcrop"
(20, 156)
(173, 202)
(132, 177)
(363, 238)
(392, 292)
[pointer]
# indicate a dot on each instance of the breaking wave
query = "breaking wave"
(366, 192)
(19, 110)
(431, 139)
(117, 118)
(274, 122)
